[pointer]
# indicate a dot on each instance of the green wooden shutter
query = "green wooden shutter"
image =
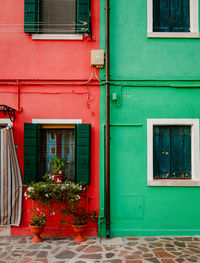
(161, 152)
(31, 16)
(180, 15)
(31, 152)
(84, 16)
(172, 152)
(161, 15)
(171, 15)
(181, 152)
(83, 153)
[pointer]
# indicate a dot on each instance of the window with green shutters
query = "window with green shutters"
(172, 152)
(57, 17)
(72, 145)
(173, 18)
(171, 15)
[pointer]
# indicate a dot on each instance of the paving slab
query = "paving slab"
(97, 250)
(112, 241)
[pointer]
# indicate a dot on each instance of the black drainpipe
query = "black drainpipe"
(107, 126)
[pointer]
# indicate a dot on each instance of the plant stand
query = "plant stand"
(79, 230)
(37, 230)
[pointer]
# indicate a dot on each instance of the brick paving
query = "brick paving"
(114, 250)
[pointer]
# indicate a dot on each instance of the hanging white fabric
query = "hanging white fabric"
(11, 187)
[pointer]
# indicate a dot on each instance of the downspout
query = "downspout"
(107, 124)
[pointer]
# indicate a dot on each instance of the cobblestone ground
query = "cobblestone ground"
(114, 250)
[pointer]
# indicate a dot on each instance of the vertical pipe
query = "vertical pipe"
(107, 124)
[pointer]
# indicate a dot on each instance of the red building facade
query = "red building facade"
(47, 77)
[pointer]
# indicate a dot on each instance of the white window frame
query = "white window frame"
(194, 23)
(51, 137)
(53, 147)
(57, 121)
(195, 180)
(57, 36)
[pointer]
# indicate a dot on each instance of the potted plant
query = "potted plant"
(58, 163)
(70, 201)
(38, 221)
(80, 218)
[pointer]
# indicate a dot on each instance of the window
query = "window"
(173, 152)
(57, 17)
(52, 136)
(62, 146)
(72, 144)
(173, 18)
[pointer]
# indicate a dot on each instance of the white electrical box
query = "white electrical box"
(97, 58)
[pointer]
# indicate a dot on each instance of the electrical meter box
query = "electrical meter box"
(97, 58)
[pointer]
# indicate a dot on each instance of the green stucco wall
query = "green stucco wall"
(163, 67)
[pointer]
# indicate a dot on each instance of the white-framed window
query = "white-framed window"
(173, 152)
(172, 19)
(57, 138)
(53, 136)
(53, 151)
(53, 19)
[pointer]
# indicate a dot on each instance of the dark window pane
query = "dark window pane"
(57, 16)
(172, 152)
(58, 142)
(171, 15)
(161, 15)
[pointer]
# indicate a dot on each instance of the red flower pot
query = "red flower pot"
(37, 230)
(58, 178)
(79, 230)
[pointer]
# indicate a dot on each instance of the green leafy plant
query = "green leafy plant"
(80, 216)
(48, 190)
(39, 217)
(70, 197)
(58, 163)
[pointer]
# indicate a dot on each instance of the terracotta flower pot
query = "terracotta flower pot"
(37, 230)
(79, 230)
(58, 178)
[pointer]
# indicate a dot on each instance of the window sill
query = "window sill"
(173, 183)
(57, 36)
(173, 35)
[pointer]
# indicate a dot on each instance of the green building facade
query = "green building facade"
(154, 115)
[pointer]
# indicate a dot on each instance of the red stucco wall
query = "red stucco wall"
(43, 61)
(24, 58)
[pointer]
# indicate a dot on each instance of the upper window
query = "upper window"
(173, 18)
(57, 17)
(173, 152)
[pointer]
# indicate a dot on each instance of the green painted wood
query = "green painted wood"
(161, 15)
(83, 153)
(84, 16)
(31, 152)
(161, 152)
(172, 152)
(181, 152)
(179, 16)
(31, 16)
(187, 152)
(171, 16)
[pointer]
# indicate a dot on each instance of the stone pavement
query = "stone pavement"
(114, 250)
